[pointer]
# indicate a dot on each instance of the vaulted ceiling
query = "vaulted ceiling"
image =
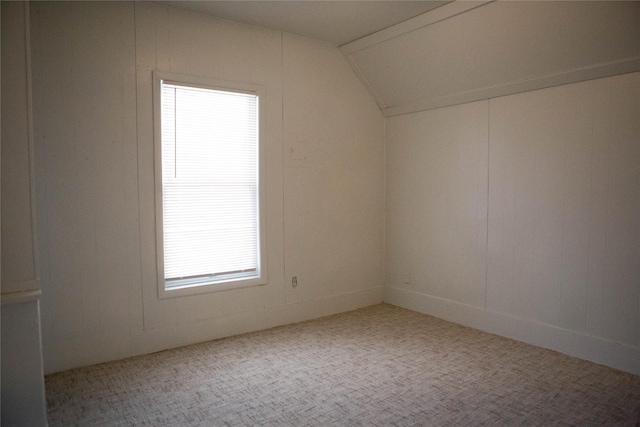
(336, 21)
(418, 55)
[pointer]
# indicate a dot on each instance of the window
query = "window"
(209, 189)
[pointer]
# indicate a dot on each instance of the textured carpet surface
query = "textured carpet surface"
(377, 366)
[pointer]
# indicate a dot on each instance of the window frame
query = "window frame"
(230, 282)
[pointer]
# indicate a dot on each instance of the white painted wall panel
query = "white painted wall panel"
(85, 136)
(93, 64)
(19, 260)
(436, 189)
(538, 194)
(334, 174)
(578, 145)
(23, 393)
(598, 212)
(22, 378)
(621, 311)
(563, 204)
(173, 40)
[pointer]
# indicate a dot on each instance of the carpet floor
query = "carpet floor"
(377, 366)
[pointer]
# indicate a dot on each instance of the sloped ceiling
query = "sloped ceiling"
(418, 55)
(466, 51)
(336, 21)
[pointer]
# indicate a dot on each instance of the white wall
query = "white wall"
(520, 215)
(437, 202)
(19, 268)
(92, 69)
(22, 387)
(23, 394)
(329, 245)
(472, 192)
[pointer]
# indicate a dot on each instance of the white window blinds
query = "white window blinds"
(209, 185)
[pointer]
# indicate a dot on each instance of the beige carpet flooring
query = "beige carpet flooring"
(377, 366)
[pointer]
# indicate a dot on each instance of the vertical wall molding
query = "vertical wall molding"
(23, 391)
(32, 185)
(22, 281)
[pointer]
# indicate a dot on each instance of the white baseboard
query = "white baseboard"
(313, 309)
(572, 343)
(254, 320)
(117, 344)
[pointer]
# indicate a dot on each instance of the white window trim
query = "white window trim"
(230, 282)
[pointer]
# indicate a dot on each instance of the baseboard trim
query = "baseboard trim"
(321, 307)
(112, 346)
(572, 343)
(243, 322)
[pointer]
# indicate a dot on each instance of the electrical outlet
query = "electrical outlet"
(294, 281)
